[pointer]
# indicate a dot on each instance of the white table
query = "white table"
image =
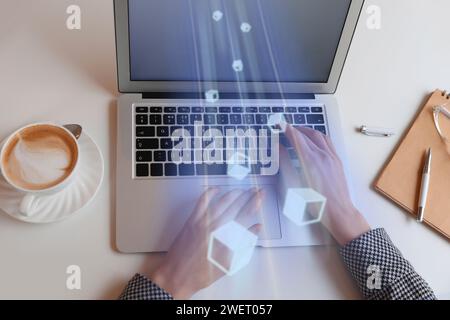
(50, 73)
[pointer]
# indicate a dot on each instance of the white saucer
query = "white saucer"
(60, 206)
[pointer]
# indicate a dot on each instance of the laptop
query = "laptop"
(200, 66)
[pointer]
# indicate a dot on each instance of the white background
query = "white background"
(50, 73)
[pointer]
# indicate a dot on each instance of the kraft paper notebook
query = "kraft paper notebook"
(401, 178)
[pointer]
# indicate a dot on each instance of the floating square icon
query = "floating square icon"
(212, 96)
(238, 65)
(277, 123)
(231, 247)
(304, 206)
(246, 27)
(217, 15)
(238, 166)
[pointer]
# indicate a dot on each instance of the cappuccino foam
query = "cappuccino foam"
(40, 157)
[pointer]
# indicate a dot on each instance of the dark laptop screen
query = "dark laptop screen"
(230, 40)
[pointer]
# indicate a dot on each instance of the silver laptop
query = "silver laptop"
(228, 65)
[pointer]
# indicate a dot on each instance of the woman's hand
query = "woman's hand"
(186, 269)
(325, 174)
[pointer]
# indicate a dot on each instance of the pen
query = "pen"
(424, 186)
(376, 132)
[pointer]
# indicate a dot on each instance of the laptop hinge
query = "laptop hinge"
(227, 96)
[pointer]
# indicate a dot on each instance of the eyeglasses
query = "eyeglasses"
(436, 112)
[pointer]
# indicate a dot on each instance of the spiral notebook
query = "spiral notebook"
(401, 178)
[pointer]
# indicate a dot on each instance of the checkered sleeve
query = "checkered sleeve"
(141, 288)
(381, 271)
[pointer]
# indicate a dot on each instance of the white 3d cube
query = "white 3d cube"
(246, 27)
(217, 15)
(238, 166)
(238, 65)
(212, 96)
(304, 206)
(277, 123)
(231, 247)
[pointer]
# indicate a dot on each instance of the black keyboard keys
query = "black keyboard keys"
(321, 129)
(182, 119)
(143, 156)
(162, 131)
(145, 131)
(299, 119)
(155, 119)
(156, 109)
(147, 143)
(222, 119)
(211, 169)
(186, 169)
(169, 119)
(315, 119)
(142, 170)
(316, 109)
(141, 109)
(235, 119)
(156, 170)
(261, 118)
(159, 156)
(170, 170)
(141, 119)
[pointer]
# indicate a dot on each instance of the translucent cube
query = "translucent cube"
(231, 247)
(238, 166)
(238, 65)
(246, 27)
(303, 206)
(212, 96)
(277, 123)
(217, 15)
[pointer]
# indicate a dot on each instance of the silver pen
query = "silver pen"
(376, 132)
(424, 186)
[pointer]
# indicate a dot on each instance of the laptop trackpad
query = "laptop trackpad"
(268, 215)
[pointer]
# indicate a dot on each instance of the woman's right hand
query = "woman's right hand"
(325, 174)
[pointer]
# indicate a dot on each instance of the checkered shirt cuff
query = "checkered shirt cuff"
(141, 288)
(381, 271)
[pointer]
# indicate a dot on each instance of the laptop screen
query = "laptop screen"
(235, 40)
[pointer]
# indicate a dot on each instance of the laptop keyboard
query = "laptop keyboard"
(154, 126)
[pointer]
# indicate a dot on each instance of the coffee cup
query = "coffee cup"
(39, 159)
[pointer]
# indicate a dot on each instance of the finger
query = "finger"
(248, 215)
(316, 137)
(256, 229)
(235, 207)
(203, 203)
(223, 203)
(302, 146)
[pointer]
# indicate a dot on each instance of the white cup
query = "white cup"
(28, 203)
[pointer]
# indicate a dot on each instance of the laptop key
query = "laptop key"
(145, 131)
(166, 144)
(251, 109)
(211, 169)
(238, 109)
(141, 119)
(141, 109)
(261, 118)
(265, 110)
(143, 156)
(299, 119)
(142, 170)
(289, 118)
(147, 143)
(303, 109)
(186, 169)
(156, 170)
(222, 119)
(198, 109)
(321, 129)
(211, 109)
(155, 119)
(170, 170)
(315, 119)
(162, 131)
(209, 119)
(169, 119)
(316, 109)
(183, 119)
(225, 110)
(235, 119)
(184, 109)
(277, 109)
(196, 118)
(160, 156)
(170, 109)
(249, 118)
(291, 109)
(156, 109)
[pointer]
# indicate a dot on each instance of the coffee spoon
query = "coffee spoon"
(75, 129)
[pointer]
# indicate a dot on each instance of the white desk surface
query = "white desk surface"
(50, 73)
